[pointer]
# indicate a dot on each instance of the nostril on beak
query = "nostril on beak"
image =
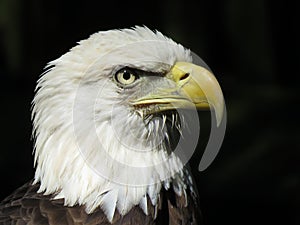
(186, 75)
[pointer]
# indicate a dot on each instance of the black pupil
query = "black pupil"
(126, 75)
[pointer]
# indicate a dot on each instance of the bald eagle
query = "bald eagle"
(108, 119)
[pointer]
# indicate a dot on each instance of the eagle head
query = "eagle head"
(107, 119)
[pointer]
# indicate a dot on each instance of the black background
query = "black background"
(251, 46)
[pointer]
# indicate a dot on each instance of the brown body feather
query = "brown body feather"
(26, 206)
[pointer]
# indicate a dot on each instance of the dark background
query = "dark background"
(252, 47)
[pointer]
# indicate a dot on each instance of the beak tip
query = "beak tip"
(219, 111)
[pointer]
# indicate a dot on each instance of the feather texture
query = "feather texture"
(26, 206)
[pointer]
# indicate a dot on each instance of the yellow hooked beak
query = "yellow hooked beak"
(195, 87)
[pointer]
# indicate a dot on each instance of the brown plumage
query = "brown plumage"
(26, 206)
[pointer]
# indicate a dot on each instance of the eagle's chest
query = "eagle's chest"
(26, 206)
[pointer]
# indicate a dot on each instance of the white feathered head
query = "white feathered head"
(101, 115)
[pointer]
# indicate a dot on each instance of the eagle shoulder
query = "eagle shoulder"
(26, 206)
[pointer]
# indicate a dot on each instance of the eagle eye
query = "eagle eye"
(125, 76)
